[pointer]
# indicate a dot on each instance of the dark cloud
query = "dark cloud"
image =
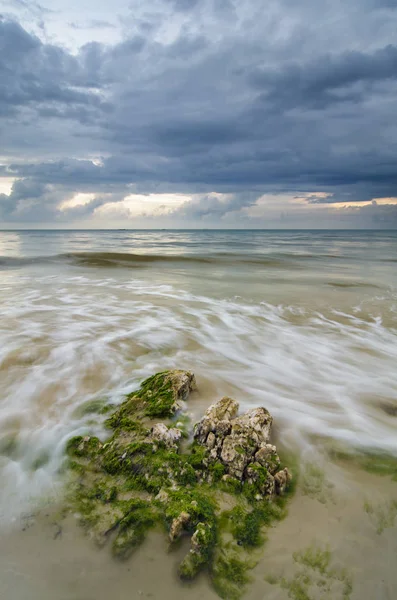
(326, 80)
(202, 97)
(42, 77)
(27, 198)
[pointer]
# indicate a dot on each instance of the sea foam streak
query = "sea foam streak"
(68, 340)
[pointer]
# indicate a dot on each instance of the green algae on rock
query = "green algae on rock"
(159, 396)
(143, 476)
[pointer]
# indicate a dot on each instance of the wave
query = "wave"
(127, 260)
(280, 260)
(69, 341)
(353, 284)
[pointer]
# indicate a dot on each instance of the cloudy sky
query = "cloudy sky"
(198, 113)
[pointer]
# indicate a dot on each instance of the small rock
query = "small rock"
(267, 457)
(168, 436)
(216, 419)
(211, 439)
(178, 525)
(282, 479)
(162, 496)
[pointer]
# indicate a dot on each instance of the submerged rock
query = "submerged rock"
(142, 475)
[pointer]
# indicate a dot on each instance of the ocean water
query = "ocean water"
(302, 322)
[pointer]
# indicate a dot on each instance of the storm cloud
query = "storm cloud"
(227, 103)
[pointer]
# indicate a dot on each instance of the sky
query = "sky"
(198, 114)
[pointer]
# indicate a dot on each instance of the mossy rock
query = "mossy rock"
(133, 481)
(159, 396)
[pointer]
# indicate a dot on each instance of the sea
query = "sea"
(301, 322)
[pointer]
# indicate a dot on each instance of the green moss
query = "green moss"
(383, 515)
(259, 479)
(297, 587)
(247, 522)
(83, 447)
(90, 407)
(76, 467)
(247, 529)
(230, 575)
(106, 408)
(186, 475)
(139, 517)
(380, 464)
(190, 566)
(203, 524)
(272, 579)
(217, 470)
(127, 459)
(126, 541)
(205, 537)
(200, 505)
(102, 492)
(374, 462)
(232, 485)
(314, 558)
(198, 454)
(158, 395)
(315, 577)
(121, 419)
(315, 485)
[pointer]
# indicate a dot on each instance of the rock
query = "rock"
(225, 409)
(234, 456)
(216, 419)
(258, 475)
(202, 542)
(182, 383)
(141, 475)
(240, 444)
(170, 437)
(256, 421)
(211, 440)
(178, 525)
(267, 457)
(162, 496)
(161, 395)
(282, 479)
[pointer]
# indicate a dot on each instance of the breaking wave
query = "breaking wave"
(69, 341)
(278, 260)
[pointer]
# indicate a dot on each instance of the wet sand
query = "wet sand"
(349, 512)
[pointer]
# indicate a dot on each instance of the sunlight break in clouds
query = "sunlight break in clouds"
(139, 205)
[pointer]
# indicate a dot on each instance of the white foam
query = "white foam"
(69, 340)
